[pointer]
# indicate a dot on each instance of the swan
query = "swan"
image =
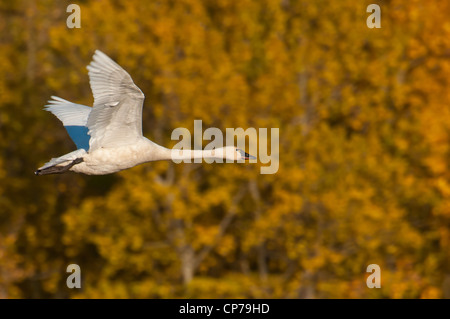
(108, 135)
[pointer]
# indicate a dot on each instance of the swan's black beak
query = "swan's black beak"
(245, 155)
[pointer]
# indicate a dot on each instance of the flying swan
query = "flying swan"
(109, 136)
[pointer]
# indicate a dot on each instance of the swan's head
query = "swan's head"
(235, 154)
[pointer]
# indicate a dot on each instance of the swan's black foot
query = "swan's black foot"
(58, 169)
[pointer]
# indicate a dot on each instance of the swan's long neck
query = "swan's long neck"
(191, 154)
(155, 152)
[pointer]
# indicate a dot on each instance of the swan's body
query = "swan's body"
(110, 160)
(109, 135)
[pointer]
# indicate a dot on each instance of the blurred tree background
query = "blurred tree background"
(364, 171)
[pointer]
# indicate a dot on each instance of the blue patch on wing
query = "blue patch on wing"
(79, 134)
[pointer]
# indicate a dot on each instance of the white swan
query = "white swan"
(109, 135)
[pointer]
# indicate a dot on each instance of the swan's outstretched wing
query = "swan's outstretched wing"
(116, 118)
(74, 117)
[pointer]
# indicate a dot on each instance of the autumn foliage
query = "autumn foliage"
(364, 176)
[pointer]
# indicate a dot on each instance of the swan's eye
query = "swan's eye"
(237, 150)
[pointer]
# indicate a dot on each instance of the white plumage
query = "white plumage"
(109, 135)
(71, 114)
